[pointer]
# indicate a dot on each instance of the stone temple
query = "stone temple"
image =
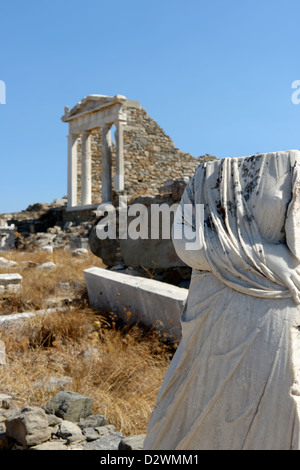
(114, 145)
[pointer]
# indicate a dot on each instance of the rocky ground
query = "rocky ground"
(65, 422)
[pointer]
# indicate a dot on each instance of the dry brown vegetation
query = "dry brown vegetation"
(120, 367)
(41, 288)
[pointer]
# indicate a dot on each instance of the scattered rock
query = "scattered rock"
(47, 249)
(80, 252)
(29, 426)
(51, 445)
(71, 431)
(33, 429)
(7, 263)
(45, 266)
(69, 405)
(132, 442)
(90, 434)
(93, 421)
(4, 400)
(104, 430)
(10, 283)
(53, 420)
(109, 442)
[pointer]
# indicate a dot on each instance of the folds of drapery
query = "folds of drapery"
(232, 235)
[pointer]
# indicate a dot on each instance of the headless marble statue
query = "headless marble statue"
(233, 381)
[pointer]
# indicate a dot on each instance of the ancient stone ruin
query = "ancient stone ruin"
(7, 239)
(114, 144)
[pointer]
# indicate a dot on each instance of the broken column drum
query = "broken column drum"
(233, 383)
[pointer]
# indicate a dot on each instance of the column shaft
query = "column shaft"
(119, 178)
(106, 164)
(72, 170)
(86, 169)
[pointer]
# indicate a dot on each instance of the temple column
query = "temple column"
(72, 170)
(106, 164)
(119, 178)
(86, 169)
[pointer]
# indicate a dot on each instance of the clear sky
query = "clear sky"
(216, 75)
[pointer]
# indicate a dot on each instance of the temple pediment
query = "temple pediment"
(91, 103)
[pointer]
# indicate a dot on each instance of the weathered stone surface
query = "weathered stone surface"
(149, 154)
(29, 426)
(2, 356)
(47, 266)
(93, 421)
(68, 429)
(53, 420)
(135, 299)
(132, 442)
(80, 252)
(109, 442)
(90, 434)
(4, 397)
(51, 445)
(10, 278)
(104, 249)
(47, 249)
(156, 251)
(7, 263)
(70, 406)
(7, 237)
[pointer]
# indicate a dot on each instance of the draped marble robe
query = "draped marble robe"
(233, 382)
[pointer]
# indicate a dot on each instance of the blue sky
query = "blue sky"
(216, 75)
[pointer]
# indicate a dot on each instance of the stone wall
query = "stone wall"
(149, 154)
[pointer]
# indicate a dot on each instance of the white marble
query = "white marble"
(94, 112)
(234, 382)
(150, 302)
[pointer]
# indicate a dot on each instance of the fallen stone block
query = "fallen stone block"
(137, 300)
(70, 406)
(16, 318)
(7, 263)
(29, 426)
(10, 283)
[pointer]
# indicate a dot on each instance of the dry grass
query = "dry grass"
(120, 367)
(39, 288)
